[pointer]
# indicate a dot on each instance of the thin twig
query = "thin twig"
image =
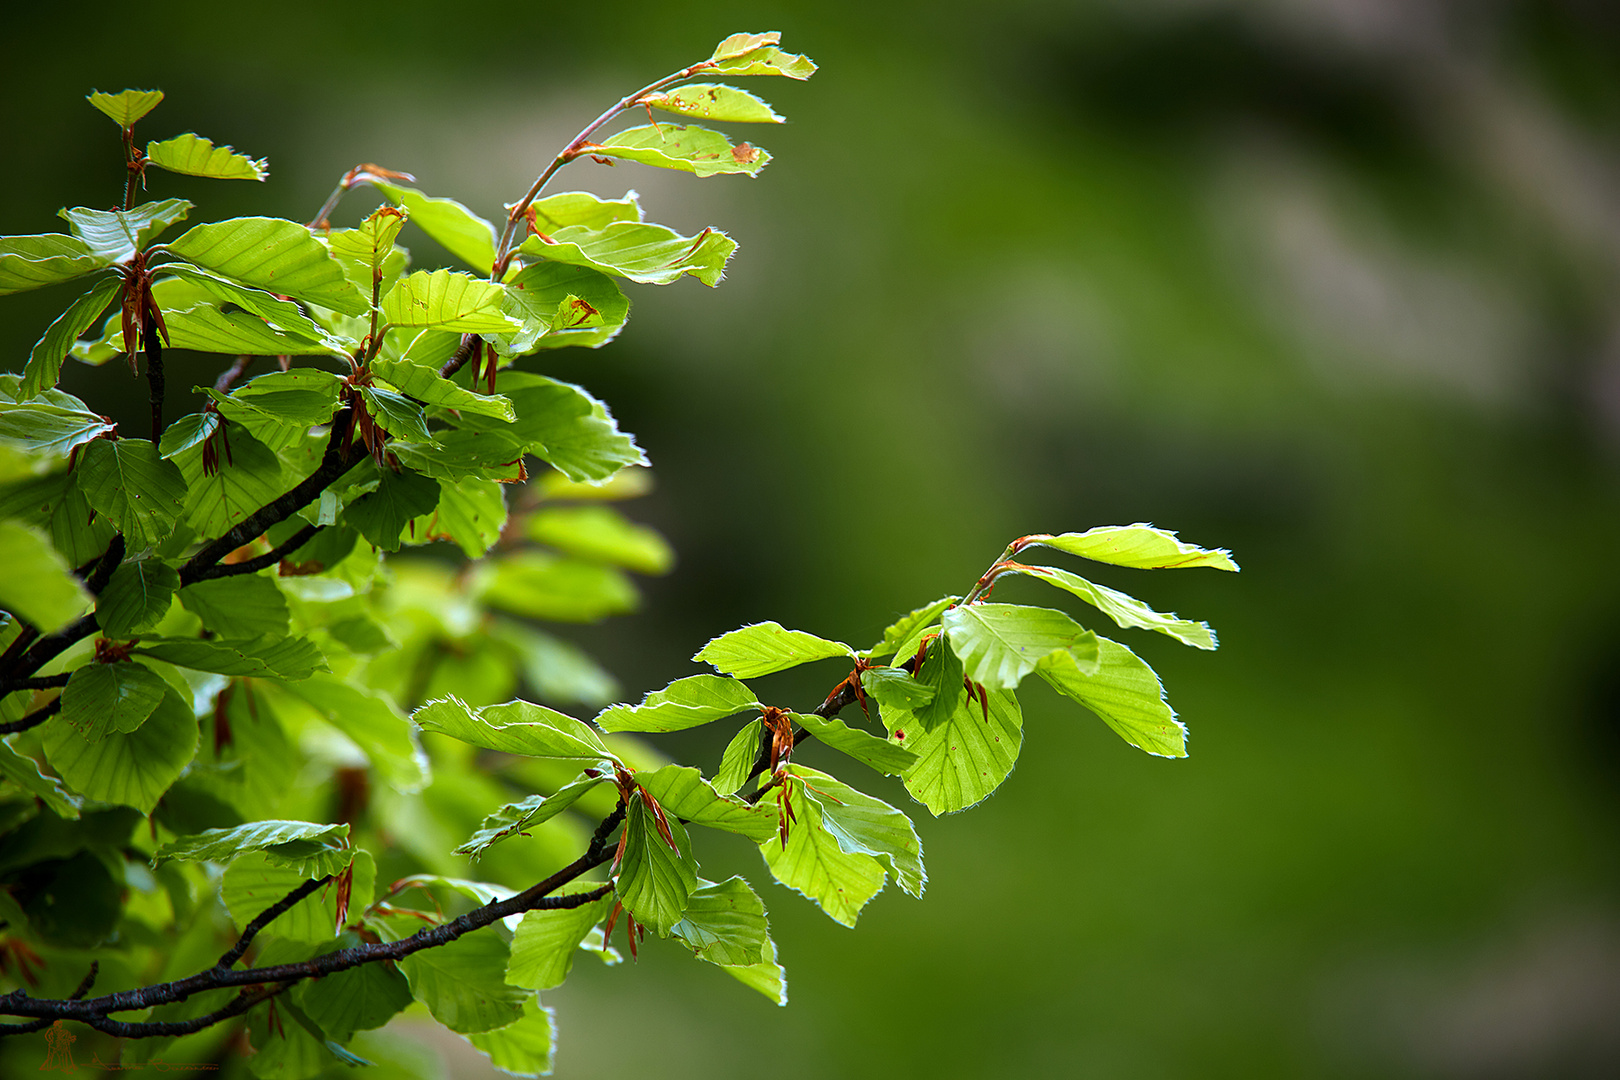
(229, 376)
(33, 719)
(265, 918)
(258, 562)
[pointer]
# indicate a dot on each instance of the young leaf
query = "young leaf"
(725, 924)
(569, 429)
(965, 757)
(462, 233)
(941, 677)
(359, 999)
(645, 253)
(425, 385)
(125, 107)
(37, 584)
(1141, 546)
(545, 942)
(861, 823)
(115, 235)
(401, 417)
(738, 760)
(1125, 693)
(137, 490)
(863, 746)
(896, 689)
(289, 843)
(244, 606)
(45, 361)
(1001, 643)
(275, 255)
(31, 262)
(518, 727)
(282, 315)
(604, 535)
(38, 427)
(471, 512)
(543, 586)
(253, 881)
(136, 598)
(683, 792)
(193, 155)
(1126, 611)
(445, 300)
(812, 862)
(684, 703)
(111, 697)
(249, 477)
(561, 305)
(907, 627)
(513, 818)
(268, 657)
(767, 59)
(584, 210)
(383, 514)
(522, 1048)
(654, 881)
(764, 648)
(766, 977)
(130, 768)
(688, 149)
(714, 101)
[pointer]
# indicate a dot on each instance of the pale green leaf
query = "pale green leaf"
(471, 513)
(116, 235)
(768, 977)
(126, 106)
(374, 723)
(359, 999)
(861, 823)
(425, 385)
(1125, 693)
(270, 656)
(463, 984)
(908, 627)
(253, 881)
(543, 586)
(654, 880)
(1141, 546)
(813, 864)
(445, 300)
(513, 818)
(136, 598)
(193, 155)
(398, 415)
(581, 209)
(683, 793)
(31, 262)
(684, 703)
(941, 676)
(1126, 611)
(518, 727)
(37, 584)
(367, 253)
(282, 315)
(895, 688)
(725, 924)
(462, 233)
(863, 746)
(1001, 643)
(557, 670)
(133, 768)
(248, 477)
(311, 848)
(963, 758)
(242, 606)
(763, 648)
(111, 697)
(696, 150)
(210, 327)
(602, 534)
(139, 492)
(39, 427)
(45, 361)
(275, 255)
(738, 760)
(545, 942)
(561, 305)
(645, 253)
(767, 59)
(714, 101)
(523, 1048)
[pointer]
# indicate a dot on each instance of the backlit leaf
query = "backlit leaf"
(543, 586)
(523, 1048)
(1001, 643)
(126, 106)
(511, 819)
(880, 754)
(40, 427)
(462, 233)
(763, 648)
(136, 598)
(684, 703)
(725, 924)
(738, 760)
(425, 385)
(275, 255)
(1126, 611)
(642, 252)
(45, 361)
(604, 535)
(263, 657)
(714, 101)
(115, 235)
(445, 300)
(963, 758)
(518, 727)
(546, 941)
(654, 880)
(37, 584)
(1125, 693)
(683, 792)
(683, 147)
(908, 626)
(137, 490)
(861, 823)
(1141, 546)
(814, 864)
(287, 843)
(31, 262)
(243, 606)
(194, 155)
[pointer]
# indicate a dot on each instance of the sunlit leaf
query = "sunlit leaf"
(298, 844)
(682, 791)
(963, 758)
(272, 254)
(604, 535)
(462, 233)
(263, 657)
(642, 252)
(445, 300)
(714, 101)
(115, 235)
(1001, 643)
(814, 864)
(725, 924)
(31, 262)
(45, 361)
(684, 703)
(1141, 546)
(877, 753)
(763, 648)
(138, 595)
(688, 149)
(1125, 693)
(545, 943)
(37, 584)
(518, 727)
(654, 880)
(126, 106)
(194, 155)
(511, 819)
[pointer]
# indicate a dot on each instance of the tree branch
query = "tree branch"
(33, 719)
(258, 562)
(265, 918)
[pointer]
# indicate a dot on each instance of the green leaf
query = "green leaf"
(738, 760)
(518, 727)
(111, 697)
(139, 492)
(275, 255)
(25, 773)
(725, 924)
(1141, 546)
(313, 849)
(193, 155)
(136, 598)
(524, 1048)
(684, 703)
(269, 656)
(572, 430)
(425, 385)
(767, 977)
(462, 233)
(543, 586)
(736, 45)
(45, 361)
(1125, 693)
(31, 262)
(561, 305)
(683, 793)
(966, 756)
(116, 235)
(373, 722)
(714, 101)
(282, 315)
(812, 862)
(463, 983)
(896, 689)
(131, 768)
(248, 477)
(602, 534)
(763, 648)
(359, 999)
(654, 880)
(53, 501)
(583, 210)
(645, 253)
(126, 106)
(861, 823)
(689, 149)
(446, 300)
(38, 427)
(401, 417)
(480, 892)
(556, 669)
(544, 945)
(1001, 643)
(1126, 611)
(863, 746)
(383, 514)
(471, 512)
(909, 626)
(764, 59)
(513, 818)
(243, 606)
(254, 881)
(37, 584)
(209, 327)
(941, 676)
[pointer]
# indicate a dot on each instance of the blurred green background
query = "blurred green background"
(1327, 282)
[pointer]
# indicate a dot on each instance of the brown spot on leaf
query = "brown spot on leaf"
(744, 154)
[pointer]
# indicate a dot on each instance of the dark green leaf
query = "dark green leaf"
(25, 773)
(463, 983)
(111, 697)
(137, 597)
(382, 515)
(359, 999)
(941, 676)
(264, 657)
(139, 492)
(243, 606)
(133, 768)
(311, 848)
(253, 881)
